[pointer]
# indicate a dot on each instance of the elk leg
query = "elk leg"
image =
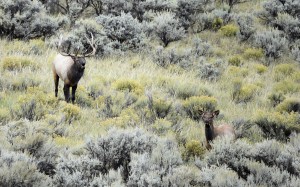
(56, 79)
(67, 93)
(73, 93)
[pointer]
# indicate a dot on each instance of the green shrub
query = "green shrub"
(276, 98)
(12, 63)
(33, 105)
(23, 82)
(82, 97)
(260, 69)
(217, 23)
(160, 107)
(287, 86)
(193, 105)
(235, 60)
(183, 91)
(37, 46)
(229, 30)
(253, 53)
(129, 85)
(72, 112)
(244, 93)
(289, 105)
(281, 71)
(161, 126)
(193, 148)
(4, 115)
(235, 71)
(277, 125)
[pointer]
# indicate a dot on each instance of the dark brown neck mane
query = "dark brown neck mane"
(209, 131)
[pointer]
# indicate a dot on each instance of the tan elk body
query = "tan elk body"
(69, 68)
(211, 131)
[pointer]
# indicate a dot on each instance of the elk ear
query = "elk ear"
(200, 112)
(216, 113)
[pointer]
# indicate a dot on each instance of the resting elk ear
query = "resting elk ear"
(216, 113)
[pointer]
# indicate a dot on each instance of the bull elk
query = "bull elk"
(70, 68)
(211, 132)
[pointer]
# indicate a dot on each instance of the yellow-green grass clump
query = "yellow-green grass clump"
(161, 126)
(229, 30)
(82, 97)
(193, 148)
(182, 90)
(63, 141)
(71, 112)
(260, 68)
(217, 23)
(128, 85)
(194, 105)
(4, 115)
(33, 47)
(277, 125)
(243, 92)
(161, 107)
(282, 71)
(18, 63)
(276, 98)
(289, 105)
(235, 71)
(235, 60)
(34, 104)
(253, 53)
(128, 117)
(296, 76)
(287, 86)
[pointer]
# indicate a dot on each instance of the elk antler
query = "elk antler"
(92, 43)
(59, 48)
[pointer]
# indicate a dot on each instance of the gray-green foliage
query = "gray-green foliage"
(209, 71)
(187, 10)
(73, 9)
(167, 28)
(33, 138)
(155, 168)
(124, 32)
(83, 171)
(267, 163)
(163, 57)
(18, 169)
(113, 151)
(25, 19)
(246, 25)
(212, 20)
(275, 8)
(284, 16)
(272, 42)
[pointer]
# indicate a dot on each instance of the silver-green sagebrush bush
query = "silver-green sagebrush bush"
(155, 168)
(124, 32)
(166, 27)
(24, 19)
(246, 26)
(258, 164)
(272, 42)
(114, 150)
(209, 71)
(18, 169)
(187, 11)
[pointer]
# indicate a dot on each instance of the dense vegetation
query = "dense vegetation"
(135, 121)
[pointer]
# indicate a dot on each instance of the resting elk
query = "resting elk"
(211, 132)
(70, 68)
